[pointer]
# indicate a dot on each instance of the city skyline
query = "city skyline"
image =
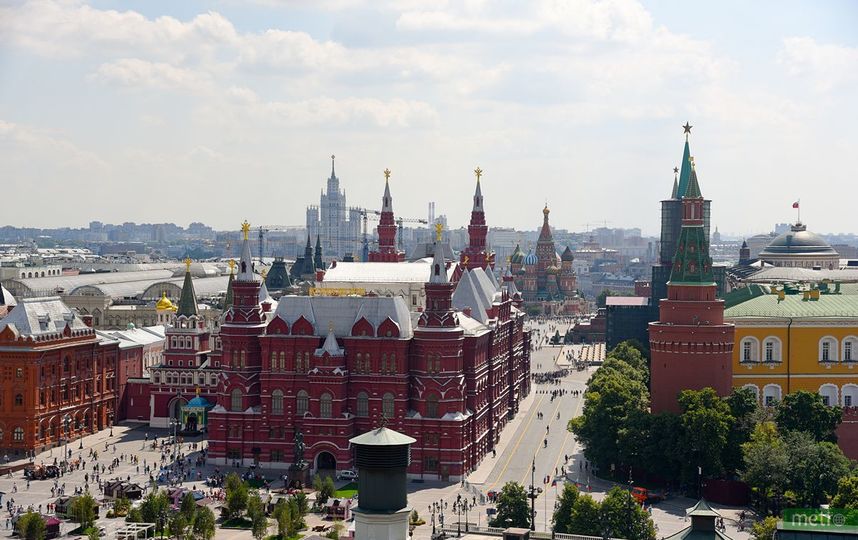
(163, 108)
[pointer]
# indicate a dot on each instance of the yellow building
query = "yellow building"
(805, 341)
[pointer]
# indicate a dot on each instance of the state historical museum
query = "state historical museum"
(332, 368)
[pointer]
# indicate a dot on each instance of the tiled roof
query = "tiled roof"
(794, 305)
(41, 317)
(342, 312)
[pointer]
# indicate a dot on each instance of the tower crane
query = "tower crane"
(367, 214)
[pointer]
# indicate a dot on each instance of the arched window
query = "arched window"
(829, 394)
(19, 400)
(850, 395)
(303, 403)
(850, 349)
(273, 361)
(235, 400)
(359, 363)
(432, 406)
(325, 405)
(387, 408)
(771, 395)
(277, 402)
(750, 350)
(392, 365)
(828, 349)
(362, 404)
(383, 369)
(772, 349)
(282, 361)
(755, 389)
(18, 434)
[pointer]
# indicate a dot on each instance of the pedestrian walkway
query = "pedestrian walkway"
(488, 464)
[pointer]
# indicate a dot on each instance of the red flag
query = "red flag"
(795, 204)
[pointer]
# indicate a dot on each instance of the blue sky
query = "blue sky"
(220, 111)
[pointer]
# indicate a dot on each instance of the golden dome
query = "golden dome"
(164, 303)
(545, 210)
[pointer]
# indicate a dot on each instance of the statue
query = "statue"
(299, 449)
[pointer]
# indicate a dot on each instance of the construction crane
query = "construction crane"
(262, 232)
(367, 214)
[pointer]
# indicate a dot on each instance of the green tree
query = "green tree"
(585, 517)
(661, 451)
(512, 509)
(177, 525)
(765, 529)
(615, 397)
(623, 517)
(283, 517)
(706, 422)
(814, 468)
(766, 465)
(563, 512)
(236, 495)
(155, 508)
(302, 503)
(630, 352)
(745, 409)
(296, 522)
(806, 411)
(30, 526)
(188, 508)
(325, 488)
(134, 515)
(847, 493)
(256, 514)
(82, 510)
(121, 507)
(92, 533)
(204, 524)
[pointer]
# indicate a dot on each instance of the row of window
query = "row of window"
(181, 342)
(17, 434)
(302, 403)
(830, 349)
(40, 274)
(183, 378)
(362, 364)
(847, 396)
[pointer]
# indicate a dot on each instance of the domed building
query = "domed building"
(546, 280)
(800, 248)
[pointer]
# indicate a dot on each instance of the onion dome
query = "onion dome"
(552, 269)
(517, 255)
(531, 258)
(164, 303)
(567, 255)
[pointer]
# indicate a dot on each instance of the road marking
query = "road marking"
(538, 448)
(518, 442)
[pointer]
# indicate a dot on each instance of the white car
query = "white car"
(347, 475)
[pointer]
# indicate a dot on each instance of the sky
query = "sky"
(220, 111)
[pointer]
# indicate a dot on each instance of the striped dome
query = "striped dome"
(531, 258)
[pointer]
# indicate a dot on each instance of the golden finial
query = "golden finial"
(231, 265)
(245, 228)
(691, 159)
(330, 327)
(439, 227)
(197, 390)
(188, 264)
(387, 174)
(264, 273)
(465, 261)
(479, 172)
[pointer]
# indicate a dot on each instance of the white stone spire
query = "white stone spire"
(439, 266)
(245, 263)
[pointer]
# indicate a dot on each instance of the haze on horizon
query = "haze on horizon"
(158, 111)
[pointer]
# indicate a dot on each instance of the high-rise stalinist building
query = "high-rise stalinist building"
(336, 225)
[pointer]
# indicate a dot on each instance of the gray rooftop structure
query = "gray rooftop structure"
(342, 312)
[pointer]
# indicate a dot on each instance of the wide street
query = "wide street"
(522, 443)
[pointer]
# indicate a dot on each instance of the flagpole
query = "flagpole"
(799, 210)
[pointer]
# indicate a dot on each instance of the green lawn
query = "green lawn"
(347, 491)
(277, 537)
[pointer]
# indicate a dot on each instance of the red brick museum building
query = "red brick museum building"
(333, 367)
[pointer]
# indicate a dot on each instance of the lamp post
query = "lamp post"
(533, 495)
(461, 506)
(66, 422)
(432, 508)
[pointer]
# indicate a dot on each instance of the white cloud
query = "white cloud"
(22, 143)
(825, 66)
(142, 74)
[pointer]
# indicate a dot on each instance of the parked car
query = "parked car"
(643, 495)
(347, 475)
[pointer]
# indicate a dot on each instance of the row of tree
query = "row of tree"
(785, 453)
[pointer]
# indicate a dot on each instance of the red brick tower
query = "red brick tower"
(386, 229)
(475, 255)
(691, 345)
(234, 419)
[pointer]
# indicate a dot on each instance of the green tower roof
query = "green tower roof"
(685, 171)
(228, 299)
(692, 190)
(188, 300)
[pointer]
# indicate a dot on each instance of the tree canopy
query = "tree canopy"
(512, 508)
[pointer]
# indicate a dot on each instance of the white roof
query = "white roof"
(418, 271)
(140, 336)
(342, 312)
(43, 317)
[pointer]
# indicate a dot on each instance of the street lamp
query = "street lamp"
(461, 506)
(533, 494)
